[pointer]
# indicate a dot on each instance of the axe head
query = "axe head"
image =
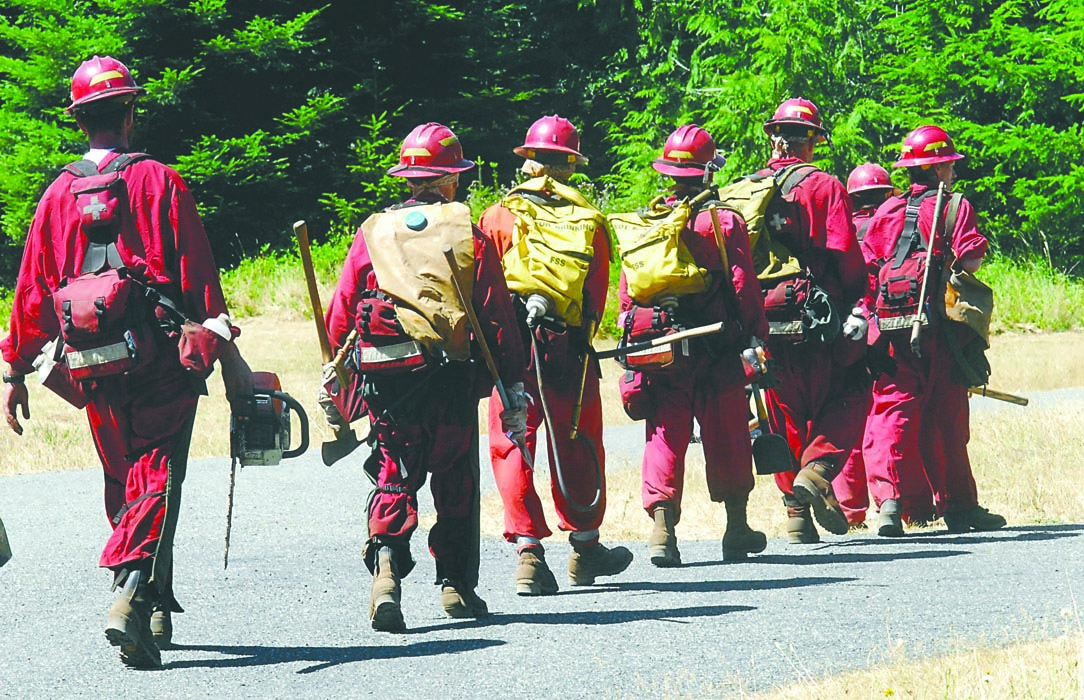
(345, 442)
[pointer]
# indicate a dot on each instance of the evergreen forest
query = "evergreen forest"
(278, 110)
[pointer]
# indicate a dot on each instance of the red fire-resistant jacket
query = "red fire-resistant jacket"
(823, 239)
(490, 299)
(162, 242)
(879, 243)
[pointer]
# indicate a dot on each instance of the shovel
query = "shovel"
(771, 452)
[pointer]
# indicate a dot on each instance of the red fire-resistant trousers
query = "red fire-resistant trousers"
(679, 395)
(917, 433)
(815, 405)
(579, 458)
(438, 439)
(850, 486)
(142, 427)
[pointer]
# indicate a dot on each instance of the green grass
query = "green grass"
(1029, 295)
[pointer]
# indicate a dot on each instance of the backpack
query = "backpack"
(899, 281)
(755, 198)
(106, 315)
(552, 247)
(654, 258)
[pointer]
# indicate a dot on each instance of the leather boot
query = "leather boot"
(533, 575)
(800, 528)
(385, 611)
(459, 601)
(813, 487)
(127, 624)
(740, 540)
(662, 546)
(890, 520)
(974, 518)
(596, 560)
(162, 625)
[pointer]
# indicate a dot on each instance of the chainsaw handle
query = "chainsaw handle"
(302, 417)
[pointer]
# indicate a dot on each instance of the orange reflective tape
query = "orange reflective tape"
(797, 110)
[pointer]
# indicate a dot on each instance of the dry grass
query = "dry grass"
(1047, 669)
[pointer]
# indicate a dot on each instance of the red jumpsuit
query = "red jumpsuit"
(427, 423)
(815, 402)
(709, 384)
(141, 424)
(918, 430)
(561, 374)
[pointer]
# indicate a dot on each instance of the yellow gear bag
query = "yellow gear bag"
(552, 247)
(405, 247)
(750, 197)
(655, 260)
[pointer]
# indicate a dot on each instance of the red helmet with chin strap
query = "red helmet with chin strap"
(100, 79)
(552, 136)
(926, 145)
(430, 150)
(868, 176)
(797, 111)
(688, 152)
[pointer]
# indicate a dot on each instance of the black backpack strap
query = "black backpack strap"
(909, 237)
(82, 168)
(861, 232)
(122, 161)
(791, 176)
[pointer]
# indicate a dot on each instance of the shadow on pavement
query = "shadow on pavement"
(322, 657)
(723, 586)
(1019, 533)
(602, 617)
(835, 557)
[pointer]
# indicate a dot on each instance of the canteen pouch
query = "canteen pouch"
(643, 324)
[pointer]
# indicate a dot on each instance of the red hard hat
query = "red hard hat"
(688, 151)
(100, 79)
(431, 150)
(798, 111)
(868, 176)
(552, 135)
(926, 145)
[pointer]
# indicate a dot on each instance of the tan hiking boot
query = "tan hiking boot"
(800, 528)
(813, 487)
(127, 624)
(460, 601)
(662, 545)
(385, 611)
(162, 625)
(533, 575)
(890, 520)
(974, 518)
(740, 540)
(597, 560)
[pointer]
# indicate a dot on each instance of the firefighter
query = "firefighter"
(869, 185)
(142, 404)
(422, 373)
(820, 380)
(918, 430)
(705, 380)
(558, 310)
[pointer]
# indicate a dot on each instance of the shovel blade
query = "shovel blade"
(332, 451)
(772, 455)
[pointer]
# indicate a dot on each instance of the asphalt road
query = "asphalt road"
(288, 618)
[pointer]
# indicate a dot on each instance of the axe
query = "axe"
(346, 440)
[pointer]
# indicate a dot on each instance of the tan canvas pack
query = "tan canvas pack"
(405, 247)
(654, 259)
(751, 196)
(551, 244)
(968, 300)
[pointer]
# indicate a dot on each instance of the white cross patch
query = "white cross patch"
(95, 208)
(777, 222)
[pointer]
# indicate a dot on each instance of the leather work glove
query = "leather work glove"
(323, 399)
(514, 416)
(377, 318)
(857, 325)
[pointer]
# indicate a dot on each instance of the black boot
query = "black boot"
(127, 625)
